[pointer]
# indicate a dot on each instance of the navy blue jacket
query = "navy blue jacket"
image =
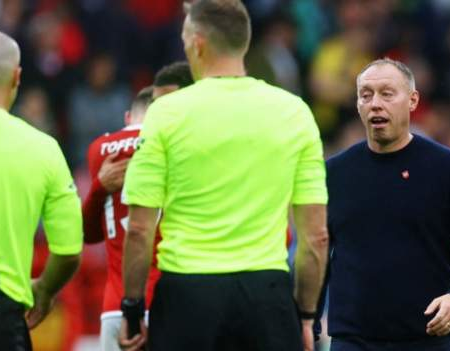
(389, 221)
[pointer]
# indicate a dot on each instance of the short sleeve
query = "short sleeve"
(145, 179)
(310, 175)
(62, 208)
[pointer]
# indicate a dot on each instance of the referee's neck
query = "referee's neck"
(224, 67)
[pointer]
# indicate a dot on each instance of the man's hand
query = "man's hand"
(112, 173)
(307, 334)
(43, 302)
(440, 324)
(137, 342)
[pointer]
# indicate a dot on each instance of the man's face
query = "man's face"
(385, 101)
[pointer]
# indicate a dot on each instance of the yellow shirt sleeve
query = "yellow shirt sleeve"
(145, 179)
(61, 213)
(310, 182)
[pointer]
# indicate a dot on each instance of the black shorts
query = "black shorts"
(14, 335)
(248, 311)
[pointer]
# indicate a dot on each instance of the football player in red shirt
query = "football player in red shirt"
(105, 217)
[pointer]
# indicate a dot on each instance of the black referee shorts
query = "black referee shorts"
(248, 311)
(14, 335)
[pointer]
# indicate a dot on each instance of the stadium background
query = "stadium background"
(83, 60)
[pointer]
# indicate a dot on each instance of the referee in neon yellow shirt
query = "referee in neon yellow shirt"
(35, 183)
(224, 159)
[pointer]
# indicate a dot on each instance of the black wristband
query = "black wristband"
(133, 311)
(307, 315)
(132, 308)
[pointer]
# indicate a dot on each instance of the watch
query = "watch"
(132, 308)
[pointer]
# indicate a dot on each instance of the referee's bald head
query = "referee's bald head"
(9, 58)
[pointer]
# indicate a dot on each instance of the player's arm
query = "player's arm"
(93, 204)
(93, 207)
(107, 180)
(61, 215)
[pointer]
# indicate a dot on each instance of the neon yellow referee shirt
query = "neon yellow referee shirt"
(224, 158)
(35, 183)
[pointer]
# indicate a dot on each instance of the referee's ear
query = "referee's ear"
(16, 77)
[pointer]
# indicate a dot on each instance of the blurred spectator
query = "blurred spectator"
(312, 25)
(336, 65)
(442, 5)
(443, 70)
(11, 14)
(52, 53)
(436, 125)
(273, 59)
(58, 41)
(96, 106)
(383, 23)
(154, 13)
(73, 43)
(425, 82)
(34, 107)
(45, 34)
(111, 29)
(261, 12)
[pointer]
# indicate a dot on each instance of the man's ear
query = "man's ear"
(357, 104)
(16, 77)
(127, 118)
(414, 100)
(199, 43)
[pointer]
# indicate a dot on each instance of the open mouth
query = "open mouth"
(378, 122)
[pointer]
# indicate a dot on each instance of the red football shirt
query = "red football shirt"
(106, 217)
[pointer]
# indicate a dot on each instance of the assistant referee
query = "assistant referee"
(35, 183)
(224, 159)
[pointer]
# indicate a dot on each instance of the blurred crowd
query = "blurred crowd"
(316, 49)
(83, 60)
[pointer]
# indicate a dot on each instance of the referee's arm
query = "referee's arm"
(309, 201)
(137, 255)
(138, 249)
(310, 215)
(311, 256)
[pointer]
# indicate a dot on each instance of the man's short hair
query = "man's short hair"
(402, 68)
(143, 99)
(225, 23)
(9, 57)
(177, 73)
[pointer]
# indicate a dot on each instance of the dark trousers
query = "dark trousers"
(248, 311)
(359, 344)
(14, 335)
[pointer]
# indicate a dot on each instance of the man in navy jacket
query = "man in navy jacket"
(389, 221)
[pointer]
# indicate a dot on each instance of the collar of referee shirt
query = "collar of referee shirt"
(227, 77)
